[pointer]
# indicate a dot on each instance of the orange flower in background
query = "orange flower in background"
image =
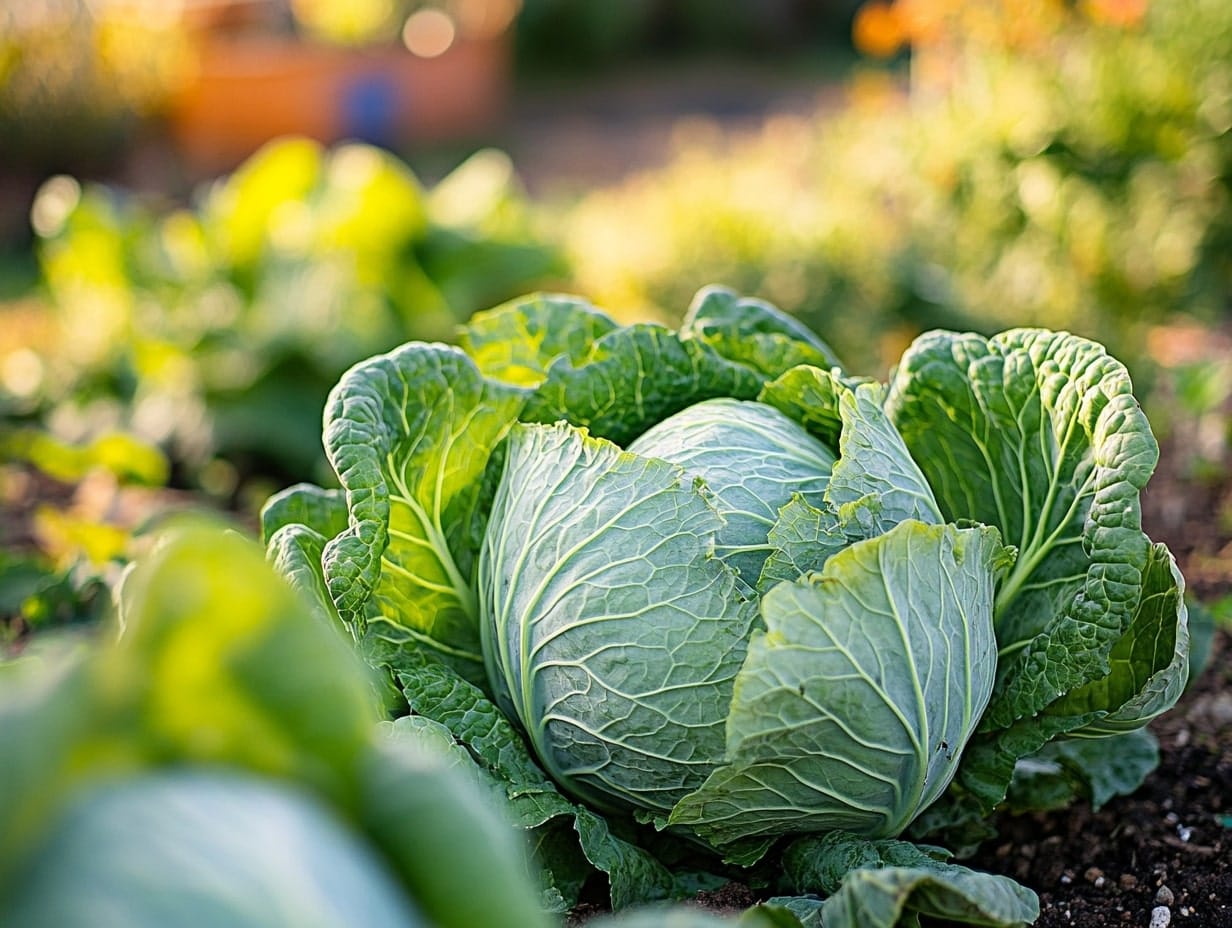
(1117, 12)
(878, 29)
(926, 21)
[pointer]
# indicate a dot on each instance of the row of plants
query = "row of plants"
(1072, 175)
(1058, 168)
(215, 330)
(667, 607)
(174, 352)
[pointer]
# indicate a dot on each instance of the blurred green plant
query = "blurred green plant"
(216, 331)
(71, 513)
(218, 758)
(1076, 174)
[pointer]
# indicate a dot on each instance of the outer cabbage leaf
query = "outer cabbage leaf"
(1096, 769)
(518, 342)
(802, 540)
(634, 377)
(1150, 664)
(410, 435)
(810, 395)
(1037, 433)
(880, 884)
(295, 552)
(324, 511)
(193, 849)
(559, 829)
(611, 630)
(753, 459)
(853, 706)
(753, 332)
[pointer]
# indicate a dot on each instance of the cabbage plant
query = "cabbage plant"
(703, 606)
(219, 759)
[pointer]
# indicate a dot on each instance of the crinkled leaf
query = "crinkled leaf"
(802, 540)
(435, 691)
(874, 485)
(853, 706)
(295, 552)
(324, 511)
(1150, 664)
(1037, 433)
(1096, 769)
(633, 875)
(633, 377)
(518, 342)
(753, 332)
(880, 884)
(811, 396)
(611, 631)
(422, 735)
(563, 869)
(410, 435)
(532, 801)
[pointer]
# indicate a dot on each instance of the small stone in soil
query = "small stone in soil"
(1161, 916)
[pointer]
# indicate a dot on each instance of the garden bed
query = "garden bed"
(1165, 846)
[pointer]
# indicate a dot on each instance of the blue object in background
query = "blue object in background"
(370, 109)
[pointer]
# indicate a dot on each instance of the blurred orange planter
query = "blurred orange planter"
(247, 90)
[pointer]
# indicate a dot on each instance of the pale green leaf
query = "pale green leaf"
(753, 460)
(853, 706)
(611, 631)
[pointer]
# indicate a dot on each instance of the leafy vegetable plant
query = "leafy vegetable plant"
(217, 330)
(704, 607)
(221, 760)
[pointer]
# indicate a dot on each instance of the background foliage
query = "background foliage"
(1056, 170)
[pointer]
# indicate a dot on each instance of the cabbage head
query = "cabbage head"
(702, 582)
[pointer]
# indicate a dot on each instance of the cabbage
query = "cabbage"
(702, 580)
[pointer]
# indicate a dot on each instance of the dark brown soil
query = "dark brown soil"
(1170, 843)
